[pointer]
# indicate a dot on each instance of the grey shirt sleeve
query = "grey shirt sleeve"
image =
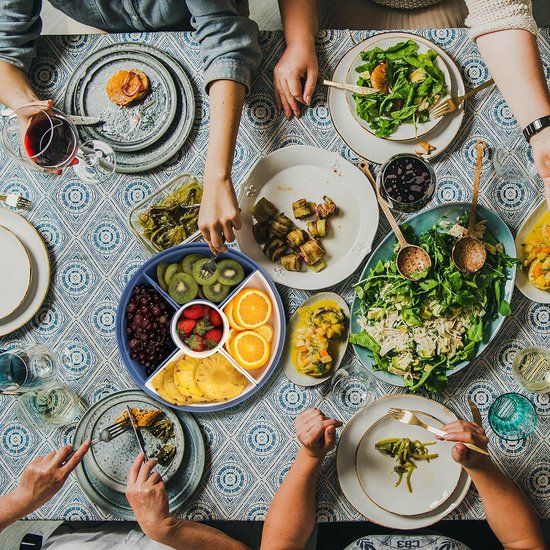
(20, 27)
(229, 41)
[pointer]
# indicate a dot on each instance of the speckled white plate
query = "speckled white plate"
(111, 461)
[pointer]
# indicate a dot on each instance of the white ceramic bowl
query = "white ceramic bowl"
(182, 345)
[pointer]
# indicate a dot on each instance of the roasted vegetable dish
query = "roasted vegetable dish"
(408, 83)
(537, 253)
(406, 452)
(168, 222)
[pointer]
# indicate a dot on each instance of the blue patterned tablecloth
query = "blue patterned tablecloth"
(251, 447)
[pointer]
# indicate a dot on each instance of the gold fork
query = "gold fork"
(451, 104)
(407, 417)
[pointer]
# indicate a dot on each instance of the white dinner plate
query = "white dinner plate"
(404, 132)
(366, 144)
(522, 280)
(301, 171)
(349, 442)
(15, 272)
(432, 482)
(338, 346)
(40, 268)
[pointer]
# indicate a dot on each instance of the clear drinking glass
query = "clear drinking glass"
(352, 387)
(45, 139)
(512, 416)
(23, 369)
(73, 357)
(513, 159)
(53, 405)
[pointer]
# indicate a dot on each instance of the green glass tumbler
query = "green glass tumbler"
(512, 416)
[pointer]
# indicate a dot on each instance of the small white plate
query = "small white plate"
(301, 171)
(40, 268)
(339, 345)
(404, 132)
(15, 272)
(522, 280)
(376, 149)
(432, 482)
(351, 437)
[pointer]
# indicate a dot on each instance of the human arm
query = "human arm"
(509, 513)
(291, 516)
(299, 60)
(147, 496)
(40, 481)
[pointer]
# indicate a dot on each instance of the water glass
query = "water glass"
(53, 405)
(512, 416)
(25, 368)
(513, 159)
(352, 387)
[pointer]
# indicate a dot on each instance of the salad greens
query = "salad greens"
(408, 83)
(420, 329)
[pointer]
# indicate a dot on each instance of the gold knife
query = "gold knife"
(476, 415)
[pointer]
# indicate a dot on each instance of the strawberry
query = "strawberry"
(193, 312)
(202, 326)
(186, 326)
(213, 337)
(196, 342)
(215, 319)
(206, 310)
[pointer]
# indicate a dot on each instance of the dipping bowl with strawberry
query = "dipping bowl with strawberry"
(199, 328)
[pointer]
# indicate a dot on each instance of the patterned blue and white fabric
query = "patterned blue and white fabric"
(251, 447)
(406, 542)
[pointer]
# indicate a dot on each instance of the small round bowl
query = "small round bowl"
(182, 345)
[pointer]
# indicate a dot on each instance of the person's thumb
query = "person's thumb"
(309, 86)
(330, 437)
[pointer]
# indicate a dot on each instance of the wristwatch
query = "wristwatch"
(535, 127)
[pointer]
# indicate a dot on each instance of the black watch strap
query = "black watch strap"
(536, 126)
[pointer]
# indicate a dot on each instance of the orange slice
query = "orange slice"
(251, 308)
(229, 313)
(232, 333)
(266, 331)
(250, 350)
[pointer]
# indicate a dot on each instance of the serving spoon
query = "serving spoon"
(469, 254)
(411, 259)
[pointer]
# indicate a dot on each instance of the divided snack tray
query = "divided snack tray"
(255, 277)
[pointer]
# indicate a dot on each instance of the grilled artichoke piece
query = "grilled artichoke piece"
(296, 238)
(264, 211)
(312, 251)
(260, 232)
(303, 208)
(317, 228)
(318, 266)
(274, 249)
(281, 226)
(292, 262)
(327, 209)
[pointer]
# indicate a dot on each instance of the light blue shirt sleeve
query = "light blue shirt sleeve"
(228, 38)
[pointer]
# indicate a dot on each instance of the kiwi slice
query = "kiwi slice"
(161, 270)
(216, 292)
(201, 293)
(230, 272)
(171, 270)
(196, 271)
(183, 288)
(188, 261)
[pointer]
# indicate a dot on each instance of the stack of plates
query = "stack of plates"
(147, 133)
(24, 271)
(103, 472)
(367, 477)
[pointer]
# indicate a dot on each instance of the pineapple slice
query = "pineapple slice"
(218, 380)
(184, 378)
(158, 385)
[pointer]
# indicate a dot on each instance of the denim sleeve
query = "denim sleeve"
(20, 27)
(229, 41)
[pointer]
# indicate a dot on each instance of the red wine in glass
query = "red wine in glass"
(50, 140)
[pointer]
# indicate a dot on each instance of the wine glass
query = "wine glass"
(26, 368)
(352, 387)
(45, 139)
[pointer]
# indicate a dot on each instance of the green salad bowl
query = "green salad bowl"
(419, 223)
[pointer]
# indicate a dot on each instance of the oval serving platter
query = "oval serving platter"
(339, 345)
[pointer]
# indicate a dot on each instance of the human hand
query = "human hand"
(298, 63)
(147, 496)
(316, 432)
(541, 155)
(219, 214)
(45, 475)
(465, 432)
